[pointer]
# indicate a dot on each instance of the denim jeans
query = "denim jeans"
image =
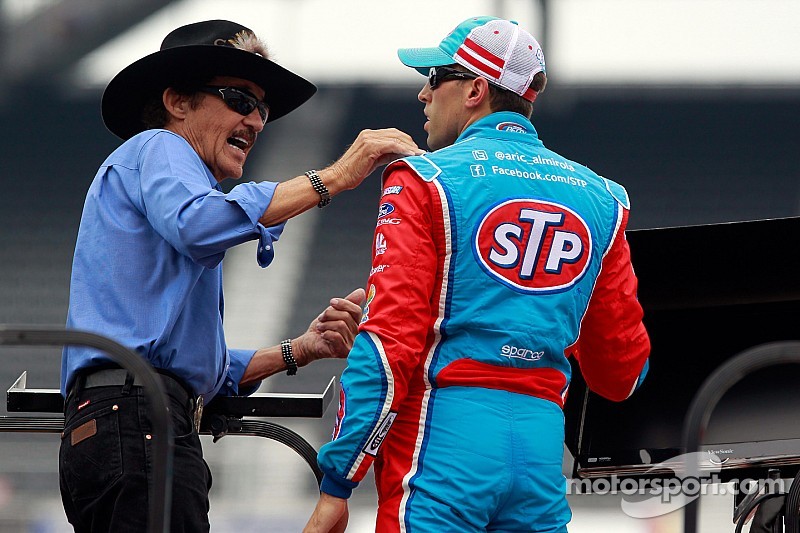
(105, 462)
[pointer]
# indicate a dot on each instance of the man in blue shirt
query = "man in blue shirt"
(146, 271)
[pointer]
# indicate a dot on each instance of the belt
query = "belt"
(111, 377)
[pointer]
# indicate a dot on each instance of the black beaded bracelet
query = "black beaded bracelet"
(288, 358)
(320, 187)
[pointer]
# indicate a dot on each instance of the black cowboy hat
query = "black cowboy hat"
(197, 51)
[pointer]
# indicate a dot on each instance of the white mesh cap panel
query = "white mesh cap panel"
(503, 53)
(523, 63)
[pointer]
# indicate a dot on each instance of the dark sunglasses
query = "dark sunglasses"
(239, 100)
(439, 74)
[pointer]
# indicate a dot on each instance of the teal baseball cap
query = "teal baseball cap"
(494, 48)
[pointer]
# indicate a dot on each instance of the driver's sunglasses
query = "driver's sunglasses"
(240, 100)
(439, 74)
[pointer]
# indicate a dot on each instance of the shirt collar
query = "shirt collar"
(502, 123)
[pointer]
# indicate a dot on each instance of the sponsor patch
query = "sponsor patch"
(337, 427)
(374, 443)
(512, 126)
(517, 352)
(385, 209)
(378, 269)
(384, 221)
(533, 245)
(394, 189)
(370, 296)
(380, 244)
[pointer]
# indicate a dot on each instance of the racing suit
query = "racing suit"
(495, 259)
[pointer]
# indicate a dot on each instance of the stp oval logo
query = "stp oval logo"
(533, 245)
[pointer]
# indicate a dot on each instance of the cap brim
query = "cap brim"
(424, 58)
(129, 91)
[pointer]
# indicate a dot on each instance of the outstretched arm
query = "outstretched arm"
(330, 335)
(370, 150)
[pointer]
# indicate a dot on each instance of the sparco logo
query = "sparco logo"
(380, 434)
(533, 245)
(521, 353)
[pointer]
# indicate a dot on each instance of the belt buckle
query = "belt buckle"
(198, 412)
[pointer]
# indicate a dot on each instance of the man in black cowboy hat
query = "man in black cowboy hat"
(146, 271)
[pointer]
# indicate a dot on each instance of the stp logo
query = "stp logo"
(533, 245)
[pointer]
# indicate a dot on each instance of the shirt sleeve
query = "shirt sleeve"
(198, 220)
(239, 359)
(613, 347)
(392, 334)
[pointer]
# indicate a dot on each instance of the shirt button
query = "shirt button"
(230, 383)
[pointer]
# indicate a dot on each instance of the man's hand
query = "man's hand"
(330, 515)
(331, 334)
(370, 150)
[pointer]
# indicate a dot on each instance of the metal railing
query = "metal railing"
(716, 385)
(223, 416)
(160, 503)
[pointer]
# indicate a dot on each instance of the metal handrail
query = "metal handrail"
(160, 504)
(715, 386)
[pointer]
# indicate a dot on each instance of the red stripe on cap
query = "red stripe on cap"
(530, 95)
(483, 68)
(499, 62)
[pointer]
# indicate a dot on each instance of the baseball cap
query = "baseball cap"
(496, 49)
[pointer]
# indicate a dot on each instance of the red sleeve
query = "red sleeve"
(613, 346)
(404, 270)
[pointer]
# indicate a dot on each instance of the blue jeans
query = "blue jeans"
(105, 461)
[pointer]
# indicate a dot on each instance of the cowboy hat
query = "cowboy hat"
(198, 52)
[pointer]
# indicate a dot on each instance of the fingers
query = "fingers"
(347, 308)
(339, 334)
(404, 143)
(358, 296)
(389, 140)
(371, 149)
(397, 144)
(336, 345)
(333, 332)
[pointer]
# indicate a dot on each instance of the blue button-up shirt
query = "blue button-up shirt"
(147, 272)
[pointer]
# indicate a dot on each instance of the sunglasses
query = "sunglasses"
(437, 75)
(239, 100)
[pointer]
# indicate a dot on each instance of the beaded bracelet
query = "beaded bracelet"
(288, 358)
(320, 187)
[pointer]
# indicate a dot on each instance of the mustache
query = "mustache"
(248, 134)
